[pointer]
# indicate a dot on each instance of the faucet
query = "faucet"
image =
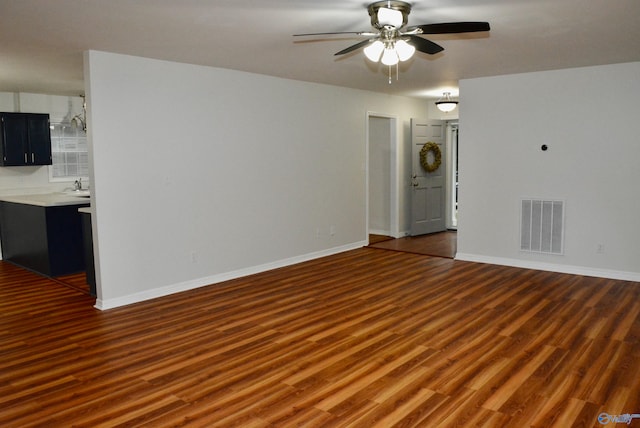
(77, 185)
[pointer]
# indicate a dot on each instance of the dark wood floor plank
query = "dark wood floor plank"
(363, 338)
(441, 244)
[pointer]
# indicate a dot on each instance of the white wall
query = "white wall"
(35, 179)
(588, 117)
(202, 174)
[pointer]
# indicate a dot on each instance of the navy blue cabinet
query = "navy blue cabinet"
(25, 139)
(47, 240)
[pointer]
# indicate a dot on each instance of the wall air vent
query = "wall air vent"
(542, 226)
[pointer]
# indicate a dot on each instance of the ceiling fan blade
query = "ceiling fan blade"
(424, 45)
(357, 33)
(454, 27)
(353, 47)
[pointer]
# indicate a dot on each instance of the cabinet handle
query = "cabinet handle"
(25, 158)
(33, 158)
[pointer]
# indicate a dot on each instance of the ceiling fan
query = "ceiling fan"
(392, 41)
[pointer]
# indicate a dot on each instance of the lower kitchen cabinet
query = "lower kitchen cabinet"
(87, 245)
(47, 240)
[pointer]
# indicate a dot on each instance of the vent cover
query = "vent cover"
(542, 226)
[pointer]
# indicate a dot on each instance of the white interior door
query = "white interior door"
(428, 206)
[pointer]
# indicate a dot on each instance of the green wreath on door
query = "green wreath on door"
(437, 156)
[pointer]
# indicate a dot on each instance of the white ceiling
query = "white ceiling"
(41, 41)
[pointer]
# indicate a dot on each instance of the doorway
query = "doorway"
(382, 175)
(383, 191)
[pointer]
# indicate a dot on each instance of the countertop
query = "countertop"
(49, 199)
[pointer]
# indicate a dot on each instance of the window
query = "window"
(69, 156)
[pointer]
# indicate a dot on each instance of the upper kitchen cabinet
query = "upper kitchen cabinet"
(26, 139)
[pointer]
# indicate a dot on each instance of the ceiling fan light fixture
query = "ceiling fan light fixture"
(374, 51)
(390, 17)
(446, 104)
(391, 13)
(389, 56)
(391, 41)
(404, 50)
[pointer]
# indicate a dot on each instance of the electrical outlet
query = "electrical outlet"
(194, 257)
(600, 248)
(332, 230)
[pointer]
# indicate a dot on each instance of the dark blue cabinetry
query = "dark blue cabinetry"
(25, 139)
(47, 240)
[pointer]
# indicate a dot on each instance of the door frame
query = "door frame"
(452, 157)
(394, 168)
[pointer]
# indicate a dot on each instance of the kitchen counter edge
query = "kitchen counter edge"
(47, 199)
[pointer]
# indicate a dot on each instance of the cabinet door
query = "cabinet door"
(14, 139)
(39, 135)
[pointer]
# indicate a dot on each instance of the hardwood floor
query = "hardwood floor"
(441, 244)
(375, 239)
(77, 281)
(359, 339)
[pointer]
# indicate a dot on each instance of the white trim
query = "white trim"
(214, 279)
(380, 232)
(552, 267)
(451, 174)
(395, 190)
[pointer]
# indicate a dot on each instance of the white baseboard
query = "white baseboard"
(379, 232)
(552, 267)
(210, 280)
(401, 234)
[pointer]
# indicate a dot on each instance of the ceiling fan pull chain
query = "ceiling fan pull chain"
(389, 74)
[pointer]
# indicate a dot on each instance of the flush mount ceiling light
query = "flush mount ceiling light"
(392, 41)
(446, 104)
